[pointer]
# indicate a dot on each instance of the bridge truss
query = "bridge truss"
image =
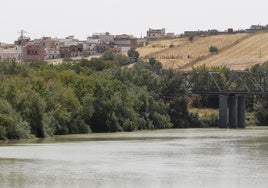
(235, 82)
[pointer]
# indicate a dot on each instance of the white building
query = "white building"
(104, 38)
(68, 41)
(9, 54)
(107, 38)
(91, 40)
(52, 53)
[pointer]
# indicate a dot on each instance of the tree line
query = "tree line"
(97, 95)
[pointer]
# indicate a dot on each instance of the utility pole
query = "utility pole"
(20, 44)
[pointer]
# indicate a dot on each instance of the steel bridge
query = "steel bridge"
(232, 89)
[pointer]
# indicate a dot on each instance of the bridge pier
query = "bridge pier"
(232, 111)
(241, 116)
(223, 111)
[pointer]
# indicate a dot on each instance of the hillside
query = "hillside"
(237, 51)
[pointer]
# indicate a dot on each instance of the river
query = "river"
(162, 158)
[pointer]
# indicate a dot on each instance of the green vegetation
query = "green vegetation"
(261, 102)
(133, 55)
(101, 95)
(213, 49)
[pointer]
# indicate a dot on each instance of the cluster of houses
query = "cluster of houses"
(46, 48)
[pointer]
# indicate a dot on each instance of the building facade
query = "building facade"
(9, 54)
(48, 42)
(52, 53)
(154, 34)
(71, 51)
(126, 41)
(34, 52)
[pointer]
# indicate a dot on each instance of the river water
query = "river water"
(165, 158)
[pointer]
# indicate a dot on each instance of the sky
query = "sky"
(82, 18)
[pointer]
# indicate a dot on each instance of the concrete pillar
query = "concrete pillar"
(232, 111)
(223, 111)
(241, 112)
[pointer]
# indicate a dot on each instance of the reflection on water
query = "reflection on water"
(166, 158)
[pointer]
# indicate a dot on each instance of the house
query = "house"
(48, 42)
(256, 28)
(91, 40)
(142, 42)
(71, 51)
(170, 35)
(34, 52)
(8, 54)
(126, 42)
(52, 53)
(154, 34)
(76, 50)
(105, 38)
(230, 30)
(6, 46)
(68, 41)
(100, 48)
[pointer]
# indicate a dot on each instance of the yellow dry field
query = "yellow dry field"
(253, 50)
(237, 51)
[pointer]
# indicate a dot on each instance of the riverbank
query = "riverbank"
(136, 135)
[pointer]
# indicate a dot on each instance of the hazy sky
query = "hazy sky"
(60, 18)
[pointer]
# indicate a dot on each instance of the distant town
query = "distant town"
(26, 49)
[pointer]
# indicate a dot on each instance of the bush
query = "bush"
(213, 49)
(210, 121)
(133, 55)
(191, 38)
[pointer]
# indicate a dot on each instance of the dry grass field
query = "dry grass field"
(237, 51)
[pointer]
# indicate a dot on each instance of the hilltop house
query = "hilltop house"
(154, 34)
(126, 42)
(256, 28)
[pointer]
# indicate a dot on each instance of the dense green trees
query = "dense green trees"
(82, 96)
(100, 95)
(261, 102)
